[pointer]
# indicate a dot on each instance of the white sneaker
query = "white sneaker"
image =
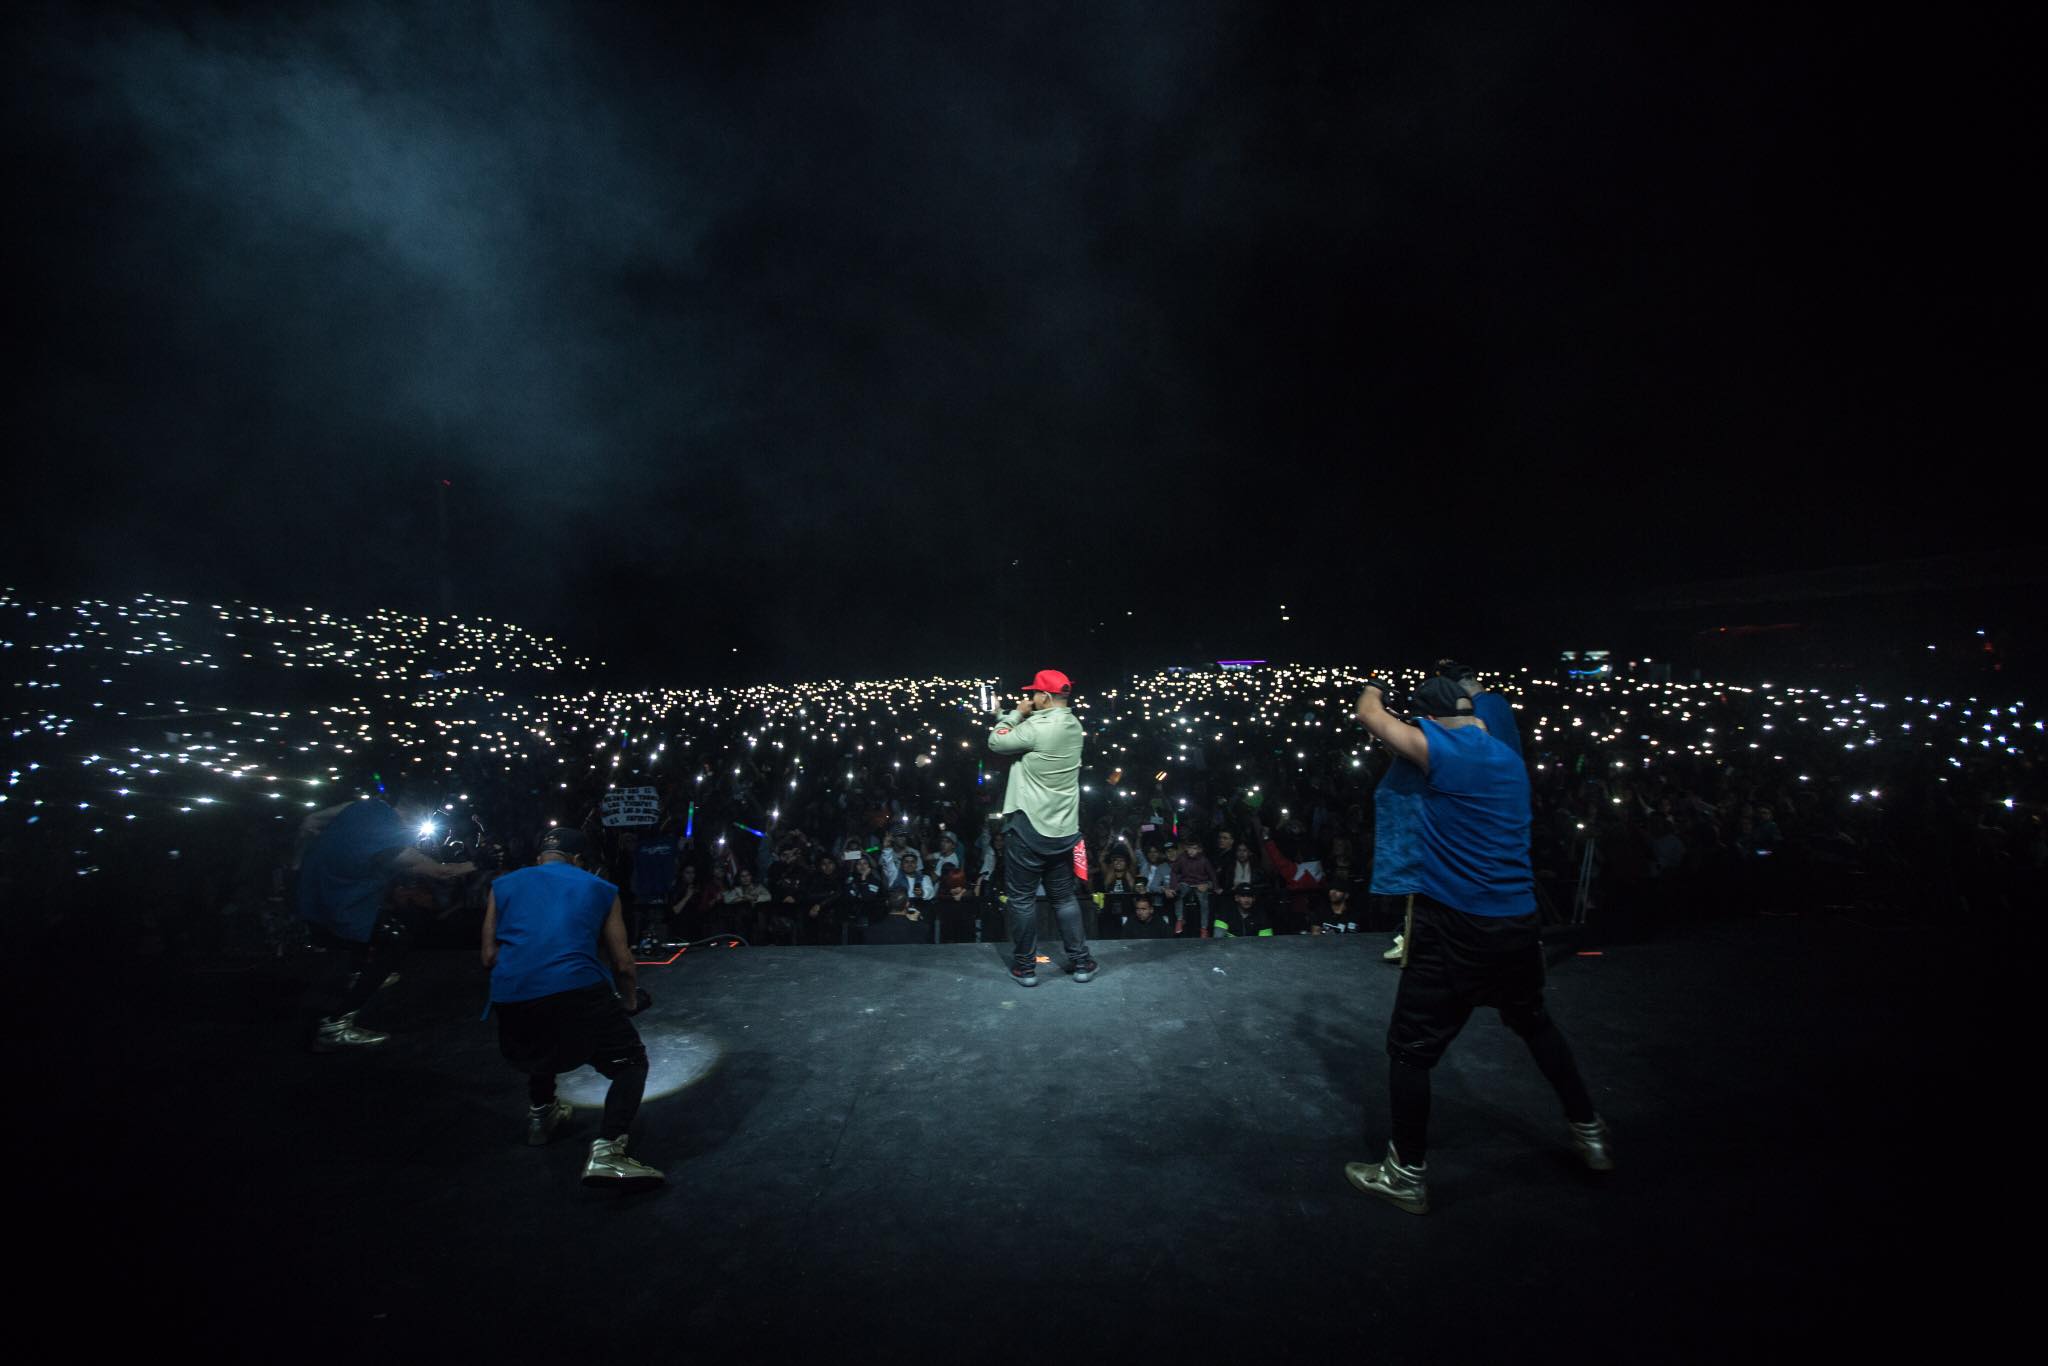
(1393, 955)
(609, 1164)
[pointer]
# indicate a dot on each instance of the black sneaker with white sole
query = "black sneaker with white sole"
(1024, 977)
(1083, 971)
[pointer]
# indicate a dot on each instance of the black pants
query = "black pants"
(369, 962)
(561, 1033)
(1029, 857)
(1458, 963)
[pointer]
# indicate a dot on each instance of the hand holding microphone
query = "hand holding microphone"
(1385, 689)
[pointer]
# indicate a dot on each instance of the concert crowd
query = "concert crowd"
(164, 752)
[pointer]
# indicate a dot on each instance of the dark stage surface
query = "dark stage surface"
(890, 1152)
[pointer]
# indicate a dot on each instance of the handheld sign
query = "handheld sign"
(632, 806)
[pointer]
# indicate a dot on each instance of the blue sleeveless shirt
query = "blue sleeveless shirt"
(1475, 824)
(1499, 716)
(549, 917)
(1397, 830)
(344, 873)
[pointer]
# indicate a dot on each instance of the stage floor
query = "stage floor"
(891, 1152)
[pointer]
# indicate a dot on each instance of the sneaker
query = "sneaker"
(1024, 977)
(1393, 955)
(338, 1032)
(1591, 1141)
(609, 1166)
(1083, 971)
(542, 1119)
(1391, 1180)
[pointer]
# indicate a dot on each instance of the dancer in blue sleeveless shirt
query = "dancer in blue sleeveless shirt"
(561, 1005)
(1474, 939)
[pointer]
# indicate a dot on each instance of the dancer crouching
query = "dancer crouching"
(559, 1007)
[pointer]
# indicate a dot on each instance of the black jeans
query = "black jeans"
(1458, 963)
(370, 962)
(561, 1033)
(1028, 859)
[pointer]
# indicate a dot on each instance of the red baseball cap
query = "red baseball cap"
(1052, 681)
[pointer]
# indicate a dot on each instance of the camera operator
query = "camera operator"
(558, 1005)
(905, 923)
(357, 857)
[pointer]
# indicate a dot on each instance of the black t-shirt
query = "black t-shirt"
(899, 929)
(1242, 922)
(786, 880)
(1158, 927)
(862, 900)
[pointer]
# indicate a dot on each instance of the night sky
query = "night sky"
(769, 341)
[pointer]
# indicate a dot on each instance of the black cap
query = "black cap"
(1440, 697)
(1456, 672)
(564, 840)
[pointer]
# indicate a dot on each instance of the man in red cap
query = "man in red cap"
(1042, 821)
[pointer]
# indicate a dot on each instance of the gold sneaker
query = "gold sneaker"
(1391, 1180)
(1591, 1141)
(609, 1165)
(338, 1032)
(540, 1123)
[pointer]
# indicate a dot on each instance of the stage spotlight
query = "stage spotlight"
(675, 1062)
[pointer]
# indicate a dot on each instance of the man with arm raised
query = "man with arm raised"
(1474, 938)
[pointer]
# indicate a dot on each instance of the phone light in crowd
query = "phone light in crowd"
(1160, 776)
